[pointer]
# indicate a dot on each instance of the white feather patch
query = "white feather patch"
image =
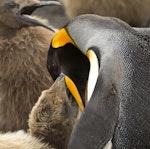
(108, 145)
(93, 74)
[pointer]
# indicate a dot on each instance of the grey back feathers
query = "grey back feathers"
(124, 55)
(119, 106)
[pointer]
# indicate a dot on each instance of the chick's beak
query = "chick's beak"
(31, 8)
(26, 11)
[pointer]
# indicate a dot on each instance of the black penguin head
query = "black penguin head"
(15, 14)
(80, 64)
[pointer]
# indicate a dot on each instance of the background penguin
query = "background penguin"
(23, 52)
(114, 71)
(134, 12)
(56, 15)
(51, 121)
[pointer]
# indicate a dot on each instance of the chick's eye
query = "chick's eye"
(11, 4)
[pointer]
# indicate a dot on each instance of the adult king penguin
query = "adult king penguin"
(109, 63)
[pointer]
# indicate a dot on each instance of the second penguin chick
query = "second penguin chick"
(54, 115)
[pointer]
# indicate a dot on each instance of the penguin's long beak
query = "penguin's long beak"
(25, 13)
(74, 91)
(61, 39)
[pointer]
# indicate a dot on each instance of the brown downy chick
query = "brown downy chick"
(54, 115)
(24, 43)
(51, 121)
(134, 12)
(21, 140)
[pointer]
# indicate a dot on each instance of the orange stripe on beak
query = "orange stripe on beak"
(74, 91)
(61, 39)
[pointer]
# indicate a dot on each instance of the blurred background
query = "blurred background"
(134, 12)
(55, 14)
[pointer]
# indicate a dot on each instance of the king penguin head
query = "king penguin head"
(79, 63)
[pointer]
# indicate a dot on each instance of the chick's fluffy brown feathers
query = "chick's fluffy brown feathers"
(54, 115)
(23, 73)
(50, 123)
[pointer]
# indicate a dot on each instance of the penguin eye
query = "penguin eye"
(11, 4)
